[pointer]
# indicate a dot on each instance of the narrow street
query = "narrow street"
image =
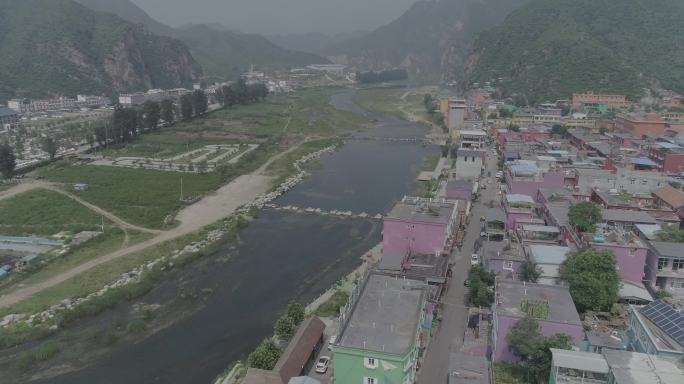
(449, 336)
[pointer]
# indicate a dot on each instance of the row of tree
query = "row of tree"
(266, 355)
(382, 76)
(241, 93)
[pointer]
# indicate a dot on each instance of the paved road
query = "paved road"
(449, 336)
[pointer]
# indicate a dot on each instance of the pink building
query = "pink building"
(519, 210)
(551, 306)
(419, 226)
(527, 179)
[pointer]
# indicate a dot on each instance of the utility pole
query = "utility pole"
(181, 195)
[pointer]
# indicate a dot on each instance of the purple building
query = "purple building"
(518, 208)
(503, 258)
(419, 226)
(527, 179)
(552, 307)
(665, 267)
(459, 190)
(629, 252)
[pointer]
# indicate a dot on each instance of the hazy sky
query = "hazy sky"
(279, 16)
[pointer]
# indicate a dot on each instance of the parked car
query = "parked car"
(474, 259)
(322, 364)
(331, 342)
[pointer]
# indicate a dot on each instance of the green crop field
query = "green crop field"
(139, 196)
(45, 213)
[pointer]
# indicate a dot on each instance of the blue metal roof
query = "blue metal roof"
(524, 169)
(645, 161)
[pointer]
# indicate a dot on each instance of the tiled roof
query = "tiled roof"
(671, 196)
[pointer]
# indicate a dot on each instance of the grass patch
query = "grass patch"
(45, 213)
(110, 241)
(43, 352)
(430, 162)
(136, 326)
(381, 100)
(139, 196)
(505, 373)
(332, 306)
(283, 167)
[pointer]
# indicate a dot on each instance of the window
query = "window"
(369, 380)
(370, 362)
(508, 264)
(677, 284)
(677, 264)
(662, 263)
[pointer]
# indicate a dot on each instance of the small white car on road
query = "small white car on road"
(322, 364)
(474, 259)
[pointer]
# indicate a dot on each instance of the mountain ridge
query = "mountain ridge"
(223, 53)
(59, 47)
(549, 49)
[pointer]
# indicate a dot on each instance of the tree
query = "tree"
(593, 278)
(481, 283)
(167, 111)
(49, 146)
(530, 272)
(257, 92)
(670, 233)
(524, 338)
(241, 92)
(265, 356)
(7, 161)
(296, 312)
(285, 328)
(186, 106)
(152, 114)
(514, 128)
(202, 166)
(505, 113)
(584, 216)
(124, 123)
(229, 96)
(559, 130)
(533, 349)
(200, 102)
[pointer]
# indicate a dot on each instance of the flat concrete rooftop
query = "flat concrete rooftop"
(439, 213)
(511, 294)
(386, 316)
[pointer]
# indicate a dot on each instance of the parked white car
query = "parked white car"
(474, 259)
(322, 364)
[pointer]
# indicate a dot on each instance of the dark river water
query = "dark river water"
(280, 257)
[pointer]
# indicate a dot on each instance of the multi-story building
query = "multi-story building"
(419, 226)
(612, 101)
(456, 116)
(473, 138)
(668, 156)
(665, 267)
(611, 367)
(551, 306)
(524, 177)
(640, 125)
(8, 118)
(656, 329)
(621, 180)
(669, 197)
(380, 333)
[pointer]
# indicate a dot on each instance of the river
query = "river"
(279, 257)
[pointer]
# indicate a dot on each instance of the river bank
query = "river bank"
(218, 308)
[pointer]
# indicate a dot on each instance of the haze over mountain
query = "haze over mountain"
(431, 39)
(58, 47)
(279, 17)
(222, 53)
(550, 48)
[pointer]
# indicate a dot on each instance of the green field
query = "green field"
(304, 113)
(381, 100)
(139, 196)
(45, 213)
(505, 373)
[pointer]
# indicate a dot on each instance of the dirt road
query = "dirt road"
(208, 210)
